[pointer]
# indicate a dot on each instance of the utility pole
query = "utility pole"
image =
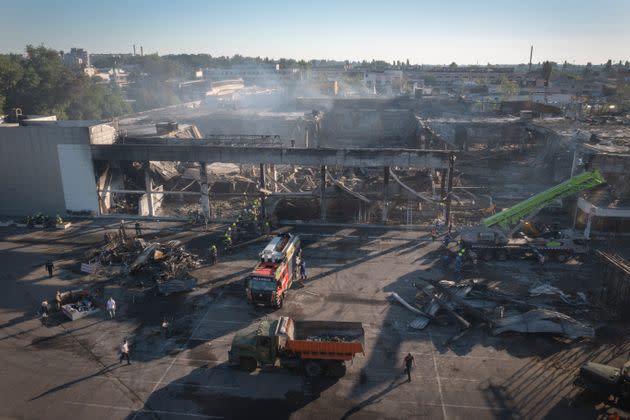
(531, 53)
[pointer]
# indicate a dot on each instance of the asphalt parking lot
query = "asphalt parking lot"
(71, 369)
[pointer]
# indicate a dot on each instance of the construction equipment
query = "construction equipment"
(605, 380)
(317, 347)
(267, 285)
(510, 219)
(494, 236)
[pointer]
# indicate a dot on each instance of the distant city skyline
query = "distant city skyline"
(465, 32)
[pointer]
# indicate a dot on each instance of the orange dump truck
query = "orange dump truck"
(317, 347)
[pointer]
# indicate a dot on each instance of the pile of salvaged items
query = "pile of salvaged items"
(168, 264)
(76, 304)
(471, 303)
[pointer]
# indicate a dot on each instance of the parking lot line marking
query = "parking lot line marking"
(437, 378)
(476, 407)
(143, 410)
(212, 340)
(218, 321)
(167, 370)
(461, 379)
(176, 383)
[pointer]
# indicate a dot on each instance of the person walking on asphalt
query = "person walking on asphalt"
(50, 267)
(434, 234)
(111, 307)
(138, 229)
(409, 363)
(124, 352)
(213, 254)
(302, 269)
(45, 312)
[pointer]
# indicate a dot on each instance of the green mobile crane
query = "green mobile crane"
(494, 236)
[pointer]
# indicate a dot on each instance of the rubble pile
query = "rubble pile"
(168, 264)
(470, 303)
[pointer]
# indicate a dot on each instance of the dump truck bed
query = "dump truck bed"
(332, 340)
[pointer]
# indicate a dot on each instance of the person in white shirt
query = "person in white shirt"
(124, 352)
(111, 307)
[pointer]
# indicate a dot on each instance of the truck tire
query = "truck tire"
(561, 257)
(502, 255)
(337, 369)
(248, 364)
(312, 368)
(279, 301)
(488, 255)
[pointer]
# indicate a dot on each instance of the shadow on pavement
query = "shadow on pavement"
(196, 393)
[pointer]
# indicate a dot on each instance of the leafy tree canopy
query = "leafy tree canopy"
(39, 83)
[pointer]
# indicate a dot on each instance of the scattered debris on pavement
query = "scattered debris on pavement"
(168, 264)
(470, 303)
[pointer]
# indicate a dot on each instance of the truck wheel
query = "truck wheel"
(279, 301)
(488, 255)
(561, 257)
(248, 364)
(502, 256)
(337, 369)
(312, 368)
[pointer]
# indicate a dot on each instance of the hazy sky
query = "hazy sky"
(436, 31)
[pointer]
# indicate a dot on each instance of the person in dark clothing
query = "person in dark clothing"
(213, 254)
(138, 229)
(50, 267)
(302, 269)
(409, 363)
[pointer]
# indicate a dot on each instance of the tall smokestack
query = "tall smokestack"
(531, 53)
(142, 52)
(134, 50)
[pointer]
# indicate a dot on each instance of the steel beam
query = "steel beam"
(195, 151)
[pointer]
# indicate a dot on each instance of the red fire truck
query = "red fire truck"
(279, 263)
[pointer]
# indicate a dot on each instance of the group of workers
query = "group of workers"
(458, 255)
(122, 232)
(250, 221)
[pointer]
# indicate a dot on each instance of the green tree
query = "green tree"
(39, 83)
(588, 69)
(508, 88)
(608, 66)
(547, 68)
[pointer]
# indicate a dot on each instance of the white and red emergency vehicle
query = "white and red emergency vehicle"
(279, 262)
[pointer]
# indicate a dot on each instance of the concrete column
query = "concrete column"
(442, 182)
(306, 136)
(385, 192)
(322, 196)
(274, 177)
(148, 185)
(447, 210)
(587, 229)
(263, 185)
(574, 165)
(203, 184)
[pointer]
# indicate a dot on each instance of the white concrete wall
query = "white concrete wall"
(30, 168)
(77, 177)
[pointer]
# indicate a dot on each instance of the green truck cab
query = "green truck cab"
(254, 346)
(316, 347)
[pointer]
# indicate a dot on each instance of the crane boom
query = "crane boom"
(512, 216)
